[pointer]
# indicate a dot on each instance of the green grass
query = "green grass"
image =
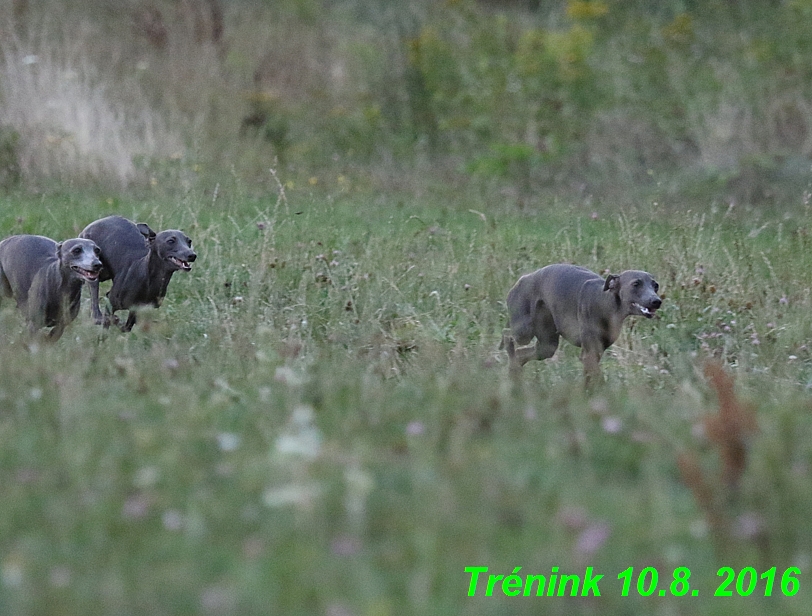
(318, 421)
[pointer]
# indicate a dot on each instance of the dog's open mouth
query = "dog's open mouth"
(181, 264)
(86, 274)
(646, 312)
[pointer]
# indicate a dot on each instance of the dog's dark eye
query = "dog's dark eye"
(189, 242)
(171, 240)
(637, 283)
(656, 287)
(77, 250)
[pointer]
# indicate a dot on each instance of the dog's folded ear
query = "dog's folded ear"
(612, 283)
(148, 233)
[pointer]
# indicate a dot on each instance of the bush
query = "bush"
(601, 95)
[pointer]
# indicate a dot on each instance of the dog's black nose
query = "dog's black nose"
(656, 303)
(192, 257)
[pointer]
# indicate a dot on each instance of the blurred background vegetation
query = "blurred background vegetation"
(693, 98)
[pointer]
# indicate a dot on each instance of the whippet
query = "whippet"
(139, 262)
(45, 277)
(576, 303)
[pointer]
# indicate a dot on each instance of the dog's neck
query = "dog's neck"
(158, 274)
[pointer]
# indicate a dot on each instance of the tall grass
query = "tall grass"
(317, 420)
(68, 126)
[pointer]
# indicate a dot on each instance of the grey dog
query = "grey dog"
(46, 278)
(576, 303)
(139, 262)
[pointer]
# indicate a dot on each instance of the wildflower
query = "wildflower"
(749, 525)
(572, 518)
(612, 425)
(345, 546)
(136, 507)
(301, 437)
(592, 539)
(228, 441)
(172, 519)
(301, 494)
(146, 477)
(415, 428)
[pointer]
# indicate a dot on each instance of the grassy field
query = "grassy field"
(318, 421)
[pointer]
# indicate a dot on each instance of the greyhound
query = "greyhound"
(46, 278)
(576, 303)
(140, 263)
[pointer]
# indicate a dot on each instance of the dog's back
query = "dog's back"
(22, 257)
(121, 243)
(557, 285)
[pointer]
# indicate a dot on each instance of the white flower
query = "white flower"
(301, 437)
(301, 494)
(228, 441)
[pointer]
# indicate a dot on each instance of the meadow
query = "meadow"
(318, 420)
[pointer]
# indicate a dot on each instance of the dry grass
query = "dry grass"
(71, 128)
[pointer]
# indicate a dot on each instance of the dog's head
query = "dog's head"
(81, 257)
(173, 248)
(637, 292)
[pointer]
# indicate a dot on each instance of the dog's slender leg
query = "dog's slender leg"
(545, 331)
(507, 334)
(56, 332)
(509, 344)
(518, 357)
(546, 344)
(130, 322)
(519, 332)
(591, 357)
(95, 312)
(131, 319)
(524, 355)
(543, 349)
